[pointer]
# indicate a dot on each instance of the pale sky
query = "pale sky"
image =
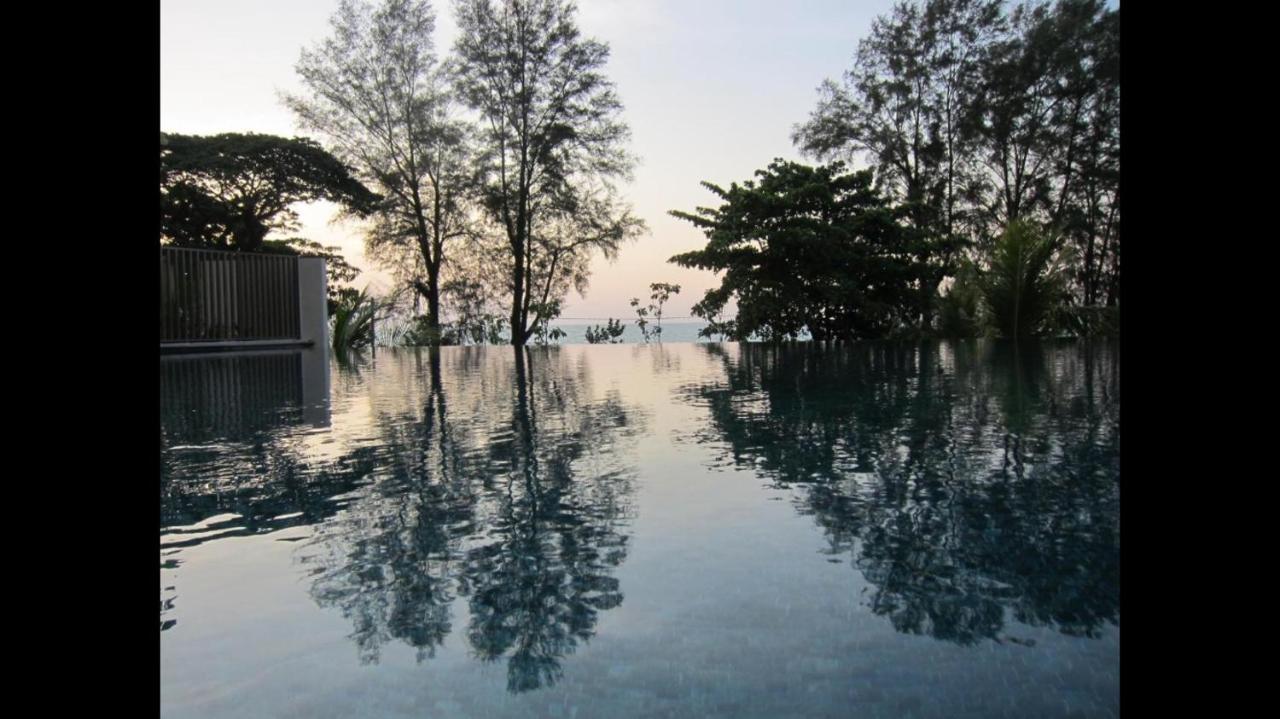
(711, 90)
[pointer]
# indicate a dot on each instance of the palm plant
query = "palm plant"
(354, 320)
(1024, 282)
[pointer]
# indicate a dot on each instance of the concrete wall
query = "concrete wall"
(314, 327)
(312, 307)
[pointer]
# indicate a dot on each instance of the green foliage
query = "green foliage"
(610, 333)
(1078, 321)
(808, 250)
(354, 320)
(419, 332)
(959, 309)
(660, 292)
(230, 190)
(978, 113)
(1024, 285)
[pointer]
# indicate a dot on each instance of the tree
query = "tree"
(1083, 41)
(977, 116)
(553, 144)
(378, 94)
(903, 104)
(229, 191)
(1025, 281)
(338, 272)
(808, 250)
(660, 292)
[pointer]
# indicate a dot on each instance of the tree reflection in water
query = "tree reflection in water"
(503, 488)
(970, 482)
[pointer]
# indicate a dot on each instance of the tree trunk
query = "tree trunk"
(433, 302)
(518, 337)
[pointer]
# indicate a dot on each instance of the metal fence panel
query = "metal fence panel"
(211, 295)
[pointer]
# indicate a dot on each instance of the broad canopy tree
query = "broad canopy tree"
(229, 191)
(553, 143)
(810, 250)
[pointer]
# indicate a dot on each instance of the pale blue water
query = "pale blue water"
(675, 530)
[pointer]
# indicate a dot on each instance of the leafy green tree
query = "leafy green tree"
(1024, 284)
(229, 191)
(1045, 124)
(378, 95)
(978, 113)
(903, 104)
(1083, 38)
(959, 309)
(552, 145)
(808, 250)
(660, 292)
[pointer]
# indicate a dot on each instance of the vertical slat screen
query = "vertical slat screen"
(210, 295)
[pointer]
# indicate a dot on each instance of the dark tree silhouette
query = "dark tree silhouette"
(810, 250)
(553, 145)
(229, 191)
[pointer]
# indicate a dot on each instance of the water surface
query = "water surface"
(627, 530)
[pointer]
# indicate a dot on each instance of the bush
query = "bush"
(610, 333)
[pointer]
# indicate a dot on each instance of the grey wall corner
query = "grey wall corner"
(312, 305)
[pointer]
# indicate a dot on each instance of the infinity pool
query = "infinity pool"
(683, 530)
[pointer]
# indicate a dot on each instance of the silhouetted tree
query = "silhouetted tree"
(553, 143)
(807, 249)
(978, 114)
(229, 191)
(379, 96)
(904, 105)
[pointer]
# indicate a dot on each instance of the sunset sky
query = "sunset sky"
(711, 89)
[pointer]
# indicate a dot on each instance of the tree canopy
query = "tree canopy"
(807, 250)
(231, 190)
(978, 115)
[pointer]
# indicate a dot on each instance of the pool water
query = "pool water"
(676, 530)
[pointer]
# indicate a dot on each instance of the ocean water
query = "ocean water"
(677, 530)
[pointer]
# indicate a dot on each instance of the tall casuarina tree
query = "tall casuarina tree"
(378, 94)
(553, 144)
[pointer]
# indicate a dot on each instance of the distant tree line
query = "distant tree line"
(993, 199)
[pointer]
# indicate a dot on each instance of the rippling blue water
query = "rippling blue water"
(643, 530)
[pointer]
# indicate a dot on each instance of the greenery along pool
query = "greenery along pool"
(627, 530)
